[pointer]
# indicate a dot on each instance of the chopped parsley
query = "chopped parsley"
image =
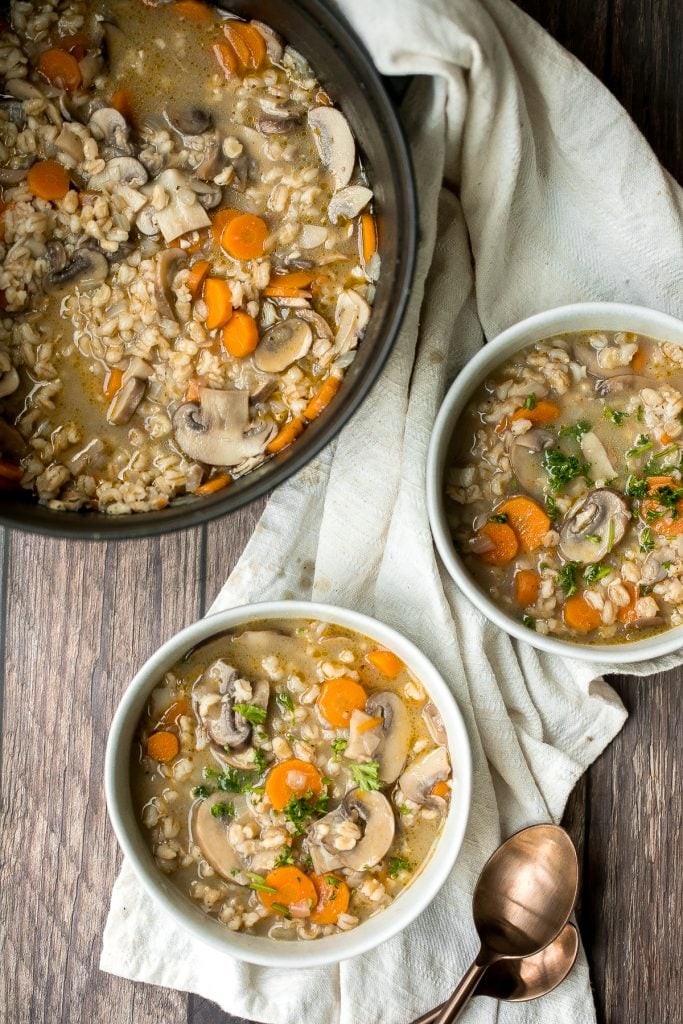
(669, 497)
(647, 540)
(284, 857)
(396, 866)
(280, 908)
(610, 535)
(576, 430)
(500, 517)
(299, 809)
(667, 565)
(258, 883)
(338, 746)
(640, 414)
(551, 508)
(201, 792)
(636, 488)
(366, 776)
(529, 622)
(230, 780)
(530, 402)
(562, 469)
(222, 810)
(615, 416)
(285, 701)
(568, 576)
(260, 762)
(643, 444)
(252, 713)
(595, 572)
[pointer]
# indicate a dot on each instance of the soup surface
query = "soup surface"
(291, 778)
(565, 491)
(187, 250)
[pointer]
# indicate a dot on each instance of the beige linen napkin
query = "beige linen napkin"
(535, 189)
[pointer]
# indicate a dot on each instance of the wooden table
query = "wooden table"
(79, 619)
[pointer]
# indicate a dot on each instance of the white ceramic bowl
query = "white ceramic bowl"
(257, 949)
(583, 316)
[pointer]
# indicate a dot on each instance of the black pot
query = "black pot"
(346, 70)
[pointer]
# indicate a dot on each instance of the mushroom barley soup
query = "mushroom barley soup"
(566, 489)
(292, 778)
(187, 250)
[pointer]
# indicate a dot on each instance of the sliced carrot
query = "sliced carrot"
(527, 583)
(77, 45)
(580, 616)
(193, 10)
(220, 221)
(333, 898)
(226, 58)
(218, 483)
(218, 299)
(666, 526)
(368, 236)
(238, 43)
(504, 540)
(292, 778)
(192, 246)
(192, 390)
(173, 712)
(655, 482)
(666, 439)
(163, 746)
(638, 361)
(122, 100)
(256, 44)
(48, 180)
(281, 292)
(441, 789)
(198, 274)
(295, 279)
(368, 724)
(240, 334)
(294, 891)
(339, 698)
(627, 614)
(61, 69)
(542, 412)
(529, 521)
(385, 662)
(328, 389)
(10, 471)
(245, 236)
(287, 435)
(113, 383)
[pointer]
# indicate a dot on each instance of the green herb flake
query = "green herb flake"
(615, 416)
(647, 539)
(285, 701)
(530, 402)
(640, 414)
(366, 776)
(338, 746)
(562, 469)
(551, 508)
(285, 857)
(636, 488)
(596, 572)
(331, 880)
(396, 866)
(667, 565)
(260, 887)
(280, 908)
(500, 517)
(252, 713)
(299, 809)
(529, 622)
(643, 444)
(576, 430)
(610, 535)
(593, 538)
(568, 576)
(222, 810)
(260, 761)
(201, 792)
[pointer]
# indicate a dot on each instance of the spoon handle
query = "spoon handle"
(453, 1007)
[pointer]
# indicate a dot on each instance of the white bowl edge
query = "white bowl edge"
(256, 949)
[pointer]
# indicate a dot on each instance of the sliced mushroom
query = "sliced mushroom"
(183, 212)
(212, 162)
(68, 143)
(137, 368)
(274, 44)
(88, 268)
(110, 127)
(372, 811)
(125, 401)
(652, 570)
(352, 315)
(312, 236)
(277, 125)
(593, 449)
(209, 195)
(9, 382)
(14, 110)
(282, 344)
(589, 357)
(119, 170)
(396, 732)
(210, 833)
(146, 221)
(434, 722)
(55, 255)
(624, 382)
(525, 458)
(168, 263)
(319, 324)
(365, 736)
(189, 120)
(348, 203)
(334, 142)
(217, 430)
(13, 175)
(419, 779)
(594, 526)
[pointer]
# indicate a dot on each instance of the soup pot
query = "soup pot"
(259, 949)
(585, 316)
(345, 69)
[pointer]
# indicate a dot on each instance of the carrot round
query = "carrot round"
(504, 540)
(219, 222)
(293, 890)
(368, 236)
(441, 789)
(385, 662)
(297, 279)
(163, 746)
(339, 698)
(173, 712)
(47, 179)
(77, 45)
(238, 43)
(580, 616)
(61, 69)
(286, 435)
(113, 383)
(122, 100)
(655, 482)
(198, 274)
(193, 10)
(328, 389)
(292, 778)
(226, 58)
(527, 519)
(240, 334)
(245, 236)
(218, 483)
(218, 299)
(667, 526)
(638, 361)
(10, 471)
(333, 898)
(527, 583)
(255, 42)
(542, 412)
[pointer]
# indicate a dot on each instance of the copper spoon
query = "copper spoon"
(521, 903)
(528, 977)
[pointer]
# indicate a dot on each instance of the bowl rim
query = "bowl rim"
(90, 526)
(256, 949)
(577, 316)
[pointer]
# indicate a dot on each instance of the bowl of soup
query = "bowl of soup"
(207, 237)
(555, 481)
(291, 781)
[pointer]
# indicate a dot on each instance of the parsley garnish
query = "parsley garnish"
(596, 571)
(284, 857)
(551, 508)
(640, 414)
(643, 444)
(230, 780)
(252, 713)
(636, 488)
(222, 810)
(300, 808)
(530, 402)
(500, 517)
(396, 866)
(576, 430)
(562, 469)
(201, 792)
(339, 745)
(285, 701)
(615, 416)
(260, 762)
(258, 883)
(647, 540)
(280, 908)
(568, 577)
(529, 622)
(366, 776)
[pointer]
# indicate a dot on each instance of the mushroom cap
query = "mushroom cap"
(334, 143)
(420, 777)
(217, 430)
(434, 722)
(373, 811)
(525, 450)
(348, 202)
(622, 382)
(585, 354)
(352, 314)
(282, 344)
(191, 120)
(168, 262)
(319, 324)
(124, 170)
(211, 836)
(87, 268)
(601, 514)
(396, 733)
